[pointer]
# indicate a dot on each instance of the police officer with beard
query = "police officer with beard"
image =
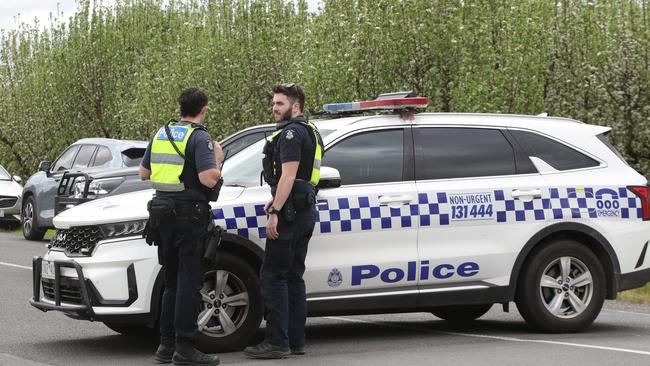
(292, 169)
(183, 164)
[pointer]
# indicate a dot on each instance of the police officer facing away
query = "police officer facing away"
(183, 164)
(292, 169)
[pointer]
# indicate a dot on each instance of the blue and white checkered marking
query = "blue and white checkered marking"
(364, 213)
(361, 213)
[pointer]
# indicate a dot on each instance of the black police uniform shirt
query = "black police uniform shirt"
(199, 149)
(296, 143)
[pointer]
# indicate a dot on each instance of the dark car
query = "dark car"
(94, 168)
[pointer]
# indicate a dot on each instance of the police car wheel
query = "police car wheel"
(28, 215)
(232, 308)
(561, 288)
(461, 313)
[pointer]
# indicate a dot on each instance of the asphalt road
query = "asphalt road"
(620, 335)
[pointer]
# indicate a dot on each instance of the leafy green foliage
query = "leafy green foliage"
(117, 71)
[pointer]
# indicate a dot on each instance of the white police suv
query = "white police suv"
(436, 212)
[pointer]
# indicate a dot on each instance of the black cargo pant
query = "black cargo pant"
(283, 287)
(181, 249)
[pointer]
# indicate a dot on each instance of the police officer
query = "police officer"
(183, 164)
(292, 169)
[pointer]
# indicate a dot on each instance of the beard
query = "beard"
(284, 116)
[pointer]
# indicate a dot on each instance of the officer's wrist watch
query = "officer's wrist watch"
(272, 211)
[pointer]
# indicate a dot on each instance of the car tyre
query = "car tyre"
(561, 288)
(232, 306)
(28, 215)
(461, 313)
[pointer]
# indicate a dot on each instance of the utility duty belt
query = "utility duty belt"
(296, 203)
(162, 208)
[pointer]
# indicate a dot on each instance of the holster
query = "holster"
(160, 208)
(212, 241)
(297, 203)
(303, 200)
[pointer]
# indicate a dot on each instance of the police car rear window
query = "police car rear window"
(442, 152)
(133, 156)
(555, 154)
(603, 138)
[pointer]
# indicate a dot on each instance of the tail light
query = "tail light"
(643, 192)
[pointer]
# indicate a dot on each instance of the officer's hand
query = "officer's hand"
(218, 152)
(266, 207)
(272, 227)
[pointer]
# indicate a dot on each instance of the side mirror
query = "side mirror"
(329, 178)
(17, 179)
(44, 166)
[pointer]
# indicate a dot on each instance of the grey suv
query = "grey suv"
(107, 160)
(94, 168)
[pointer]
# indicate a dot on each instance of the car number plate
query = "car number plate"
(47, 269)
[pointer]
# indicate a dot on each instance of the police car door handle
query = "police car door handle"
(393, 200)
(533, 193)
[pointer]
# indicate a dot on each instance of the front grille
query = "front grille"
(68, 288)
(7, 201)
(77, 240)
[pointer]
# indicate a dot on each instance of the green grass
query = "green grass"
(637, 296)
(18, 232)
(13, 230)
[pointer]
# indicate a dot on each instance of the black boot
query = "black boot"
(266, 350)
(189, 356)
(165, 352)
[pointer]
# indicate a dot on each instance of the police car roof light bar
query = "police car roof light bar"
(402, 94)
(392, 101)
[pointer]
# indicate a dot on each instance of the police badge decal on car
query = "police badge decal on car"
(335, 278)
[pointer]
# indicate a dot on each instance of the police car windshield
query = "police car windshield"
(4, 175)
(245, 168)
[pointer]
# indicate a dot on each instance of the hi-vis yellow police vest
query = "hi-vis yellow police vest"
(318, 153)
(166, 164)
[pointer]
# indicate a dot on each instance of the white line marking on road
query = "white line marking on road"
(15, 265)
(500, 338)
(18, 361)
(626, 312)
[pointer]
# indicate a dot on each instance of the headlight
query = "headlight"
(97, 187)
(122, 229)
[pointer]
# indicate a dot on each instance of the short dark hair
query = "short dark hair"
(191, 101)
(293, 92)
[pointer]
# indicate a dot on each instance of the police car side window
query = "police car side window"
(243, 142)
(369, 157)
(555, 154)
(64, 162)
(442, 152)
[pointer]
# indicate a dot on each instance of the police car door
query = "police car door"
(365, 239)
(479, 202)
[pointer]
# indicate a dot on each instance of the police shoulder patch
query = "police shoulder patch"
(210, 145)
(288, 135)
